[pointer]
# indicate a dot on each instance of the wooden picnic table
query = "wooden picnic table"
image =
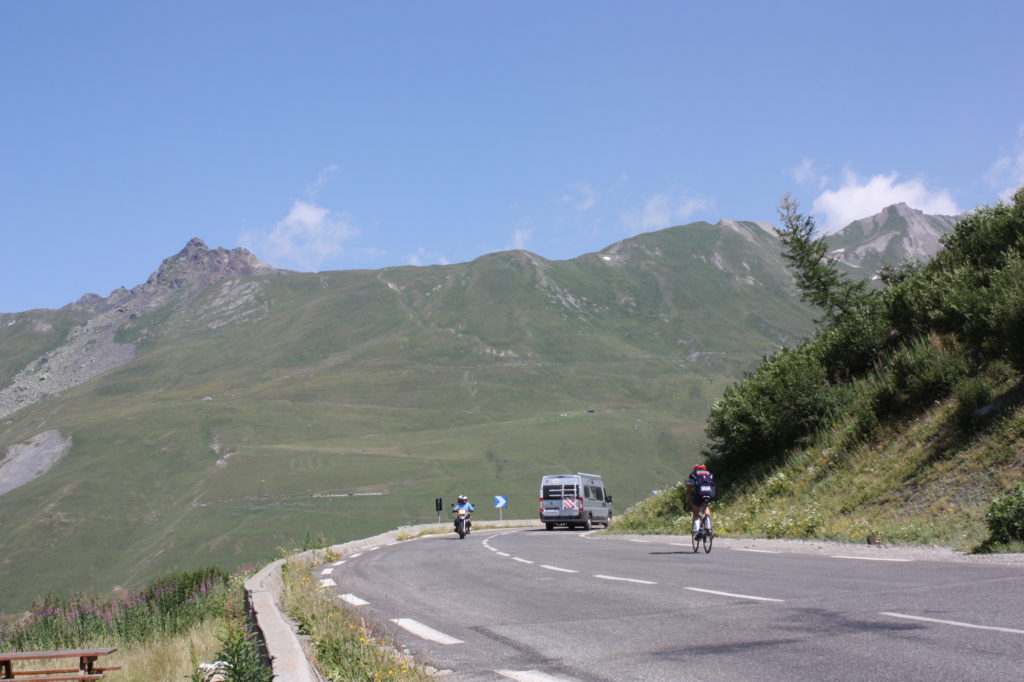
(86, 670)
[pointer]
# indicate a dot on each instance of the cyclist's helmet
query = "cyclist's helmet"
(700, 467)
(463, 498)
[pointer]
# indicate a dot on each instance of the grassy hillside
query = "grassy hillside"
(921, 481)
(902, 416)
(263, 410)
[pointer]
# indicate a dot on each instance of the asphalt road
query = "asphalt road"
(536, 606)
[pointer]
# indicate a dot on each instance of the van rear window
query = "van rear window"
(557, 492)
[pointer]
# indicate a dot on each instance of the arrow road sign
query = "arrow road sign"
(500, 501)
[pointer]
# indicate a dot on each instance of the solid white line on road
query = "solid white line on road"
(646, 542)
(529, 676)
(556, 568)
(678, 544)
(953, 622)
(625, 580)
(759, 551)
(868, 558)
(328, 582)
(730, 594)
(353, 599)
(522, 561)
(425, 631)
(327, 571)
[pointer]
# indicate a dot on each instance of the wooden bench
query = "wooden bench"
(86, 670)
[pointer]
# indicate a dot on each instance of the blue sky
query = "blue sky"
(347, 135)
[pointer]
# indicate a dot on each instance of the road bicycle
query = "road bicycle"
(704, 533)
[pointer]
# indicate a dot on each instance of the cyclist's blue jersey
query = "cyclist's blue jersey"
(703, 484)
(460, 505)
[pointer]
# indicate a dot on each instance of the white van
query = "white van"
(574, 500)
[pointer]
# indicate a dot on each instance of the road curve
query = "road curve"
(539, 606)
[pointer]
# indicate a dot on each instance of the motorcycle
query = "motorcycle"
(462, 522)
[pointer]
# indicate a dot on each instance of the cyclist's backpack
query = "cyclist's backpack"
(704, 485)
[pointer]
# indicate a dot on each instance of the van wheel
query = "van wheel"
(588, 524)
(549, 526)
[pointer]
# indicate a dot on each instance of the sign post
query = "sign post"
(500, 502)
(438, 506)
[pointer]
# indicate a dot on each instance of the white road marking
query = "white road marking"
(373, 549)
(730, 594)
(953, 622)
(759, 551)
(504, 554)
(353, 556)
(522, 561)
(425, 631)
(678, 544)
(353, 599)
(646, 542)
(529, 676)
(327, 571)
(556, 568)
(338, 563)
(328, 582)
(625, 580)
(868, 558)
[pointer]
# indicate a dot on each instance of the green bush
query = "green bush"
(1005, 518)
(926, 371)
(972, 394)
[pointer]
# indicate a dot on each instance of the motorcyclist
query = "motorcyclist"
(700, 478)
(464, 503)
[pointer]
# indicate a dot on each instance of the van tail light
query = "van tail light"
(580, 505)
(540, 503)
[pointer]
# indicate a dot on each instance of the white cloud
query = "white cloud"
(424, 257)
(858, 199)
(306, 238)
(662, 210)
(1007, 173)
(321, 179)
(520, 237)
(808, 173)
(581, 196)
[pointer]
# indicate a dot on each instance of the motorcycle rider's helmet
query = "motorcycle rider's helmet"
(463, 498)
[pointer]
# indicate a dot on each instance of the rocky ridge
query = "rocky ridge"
(90, 349)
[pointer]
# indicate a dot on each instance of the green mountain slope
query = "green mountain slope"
(256, 410)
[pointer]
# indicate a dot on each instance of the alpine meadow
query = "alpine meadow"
(225, 409)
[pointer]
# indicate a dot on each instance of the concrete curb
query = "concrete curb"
(287, 655)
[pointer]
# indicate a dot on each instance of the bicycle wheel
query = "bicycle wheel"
(709, 536)
(695, 536)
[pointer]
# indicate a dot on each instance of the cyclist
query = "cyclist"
(463, 502)
(699, 484)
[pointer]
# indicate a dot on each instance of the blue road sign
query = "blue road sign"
(500, 501)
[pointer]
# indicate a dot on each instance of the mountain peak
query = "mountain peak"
(199, 263)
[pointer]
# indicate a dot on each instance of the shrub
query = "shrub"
(925, 371)
(1005, 518)
(972, 394)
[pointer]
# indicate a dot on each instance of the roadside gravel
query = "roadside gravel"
(917, 552)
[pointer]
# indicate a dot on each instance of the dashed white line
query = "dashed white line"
(625, 580)
(504, 554)
(556, 568)
(646, 542)
(953, 622)
(353, 599)
(327, 571)
(522, 561)
(425, 631)
(338, 563)
(529, 676)
(353, 556)
(328, 582)
(869, 558)
(732, 594)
